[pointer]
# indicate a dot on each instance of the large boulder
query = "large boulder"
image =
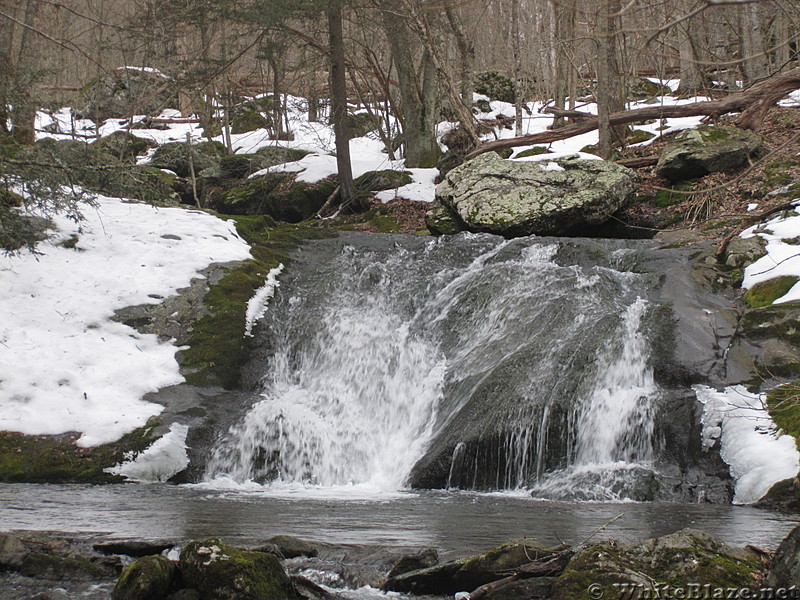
(220, 571)
(149, 578)
(698, 152)
(129, 91)
(509, 198)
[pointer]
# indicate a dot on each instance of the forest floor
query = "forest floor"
(712, 205)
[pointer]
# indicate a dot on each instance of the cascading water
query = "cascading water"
(468, 361)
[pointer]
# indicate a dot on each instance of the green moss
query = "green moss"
(637, 136)
(783, 404)
(249, 120)
(71, 242)
(218, 347)
(149, 578)
(504, 152)
(222, 571)
(766, 292)
(56, 459)
(535, 151)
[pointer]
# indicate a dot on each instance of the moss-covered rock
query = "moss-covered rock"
(56, 459)
(123, 145)
(641, 88)
(495, 86)
(637, 136)
(219, 571)
(275, 194)
(442, 220)
(785, 569)
(249, 120)
(698, 152)
(535, 151)
(175, 157)
(149, 578)
(766, 292)
(513, 198)
(360, 124)
(688, 556)
(125, 92)
(375, 181)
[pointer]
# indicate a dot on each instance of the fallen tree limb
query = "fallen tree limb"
(753, 104)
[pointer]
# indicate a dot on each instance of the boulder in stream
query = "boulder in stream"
(149, 578)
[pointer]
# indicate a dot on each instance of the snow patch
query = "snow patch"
(782, 258)
(65, 364)
(164, 458)
(758, 455)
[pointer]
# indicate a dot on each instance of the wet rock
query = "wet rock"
(783, 496)
(222, 571)
(698, 152)
(563, 196)
(469, 573)
(70, 567)
(536, 588)
(292, 547)
(12, 552)
(785, 569)
(134, 548)
(428, 557)
(149, 578)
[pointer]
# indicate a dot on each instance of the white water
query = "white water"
(478, 344)
(615, 425)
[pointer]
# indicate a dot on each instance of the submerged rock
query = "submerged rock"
(698, 152)
(566, 195)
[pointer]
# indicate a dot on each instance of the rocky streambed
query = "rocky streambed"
(689, 561)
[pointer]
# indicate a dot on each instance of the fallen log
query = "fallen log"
(753, 103)
(554, 565)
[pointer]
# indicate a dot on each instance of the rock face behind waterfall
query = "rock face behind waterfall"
(509, 198)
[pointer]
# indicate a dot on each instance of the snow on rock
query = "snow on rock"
(758, 456)
(257, 305)
(65, 365)
(782, 258)
(164, 458)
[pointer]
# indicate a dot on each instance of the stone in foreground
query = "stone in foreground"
(513, 198)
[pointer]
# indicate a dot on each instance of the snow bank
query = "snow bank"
(782, 258)
(164, 458)
(65, 365)
(758, 456)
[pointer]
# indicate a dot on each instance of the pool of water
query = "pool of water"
(457, 523)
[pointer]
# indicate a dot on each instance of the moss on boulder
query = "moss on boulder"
(535, 151)
(698, 152)
(220, 571)
(375, 181)
(765, 293)
(175, 157)
(123, 145)
(688, 556)
(249, 120)
(149, 578)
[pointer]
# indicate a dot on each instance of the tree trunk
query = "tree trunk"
(516, 52)
(608, 100)
(418, 92)
(23, 74)
(755, 63)
(693, 78)
(466, 54)
(339, 102)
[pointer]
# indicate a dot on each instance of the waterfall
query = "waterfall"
(467, 361)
